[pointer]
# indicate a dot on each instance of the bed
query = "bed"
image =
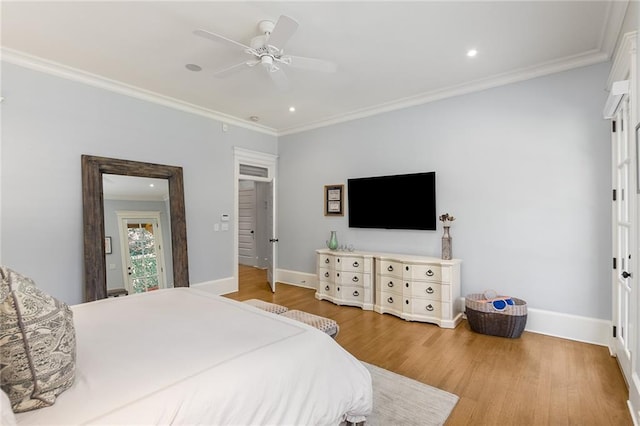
(184, 356)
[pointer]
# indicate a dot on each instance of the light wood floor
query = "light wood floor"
(533, 380)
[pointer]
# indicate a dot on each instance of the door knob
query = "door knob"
(625, 274)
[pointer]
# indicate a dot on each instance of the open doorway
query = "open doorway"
(255, 237)
(254, 231)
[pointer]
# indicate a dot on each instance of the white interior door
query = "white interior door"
(247, 254)
(623, 279)
(273, 240)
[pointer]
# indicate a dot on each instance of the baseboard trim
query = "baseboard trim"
(556, 324)
(299, 279)
(567, 326)
(219, 287)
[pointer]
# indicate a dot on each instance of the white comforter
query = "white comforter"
(183, 356)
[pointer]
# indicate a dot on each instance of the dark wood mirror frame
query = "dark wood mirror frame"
(95, 268)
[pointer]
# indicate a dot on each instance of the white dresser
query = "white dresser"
(345, 278)
(414, 288)
(418, 288)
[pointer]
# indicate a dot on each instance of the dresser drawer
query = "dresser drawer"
(349, 278)
(388, 267)
(327, 289)
(426, 307)
(325, 274)
(427, 290)
(352, 264)
(423, 272)
(350, 293)
(326, 261)
(390, 284)
(390, 301)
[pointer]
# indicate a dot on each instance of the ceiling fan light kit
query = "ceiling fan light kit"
(268, 50)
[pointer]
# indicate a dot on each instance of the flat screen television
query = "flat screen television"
(405, 201)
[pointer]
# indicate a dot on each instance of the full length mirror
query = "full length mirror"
(98, 172)
(137, 234)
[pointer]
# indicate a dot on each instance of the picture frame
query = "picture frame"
(334, 200)
(107, 245)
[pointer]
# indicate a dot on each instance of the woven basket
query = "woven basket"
(484, 319)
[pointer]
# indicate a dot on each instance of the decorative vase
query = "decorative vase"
(446, 244)
(332, 243)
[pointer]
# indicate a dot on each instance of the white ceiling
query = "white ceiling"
(389, 54)
(118, 187)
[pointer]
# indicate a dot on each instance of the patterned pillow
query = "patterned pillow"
(37, 343)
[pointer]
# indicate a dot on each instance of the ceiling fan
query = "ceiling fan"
(267, 49)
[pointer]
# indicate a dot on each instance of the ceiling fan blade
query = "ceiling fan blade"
(218, 37)
(312, 64)
(282, 32)
(279, 78)
(234, 68)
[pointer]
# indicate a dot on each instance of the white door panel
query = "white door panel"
(623, 279)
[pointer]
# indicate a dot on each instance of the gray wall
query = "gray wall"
(524, 167)
(49, 122)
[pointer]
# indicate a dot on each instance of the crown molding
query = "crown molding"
(616, 11)
(589, 58)
(622, 60)
(59, 70)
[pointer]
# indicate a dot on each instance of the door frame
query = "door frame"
(154, 215)
(258, 159)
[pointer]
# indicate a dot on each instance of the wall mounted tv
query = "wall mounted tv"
(405, 201)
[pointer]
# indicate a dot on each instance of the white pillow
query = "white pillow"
(7, 418)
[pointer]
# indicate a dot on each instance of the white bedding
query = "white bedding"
(183, 356)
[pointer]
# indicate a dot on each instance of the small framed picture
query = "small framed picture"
(334, 200)
(107, 245)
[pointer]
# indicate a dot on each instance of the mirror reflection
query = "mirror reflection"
(137, 226)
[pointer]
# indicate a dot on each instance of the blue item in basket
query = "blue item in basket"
(501, 304)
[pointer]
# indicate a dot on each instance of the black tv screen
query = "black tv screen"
(393, 202)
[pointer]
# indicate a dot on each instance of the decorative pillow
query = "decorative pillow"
(37, 343)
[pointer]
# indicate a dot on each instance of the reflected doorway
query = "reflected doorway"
(142, 254)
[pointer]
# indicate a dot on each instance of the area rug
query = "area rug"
(399, 400)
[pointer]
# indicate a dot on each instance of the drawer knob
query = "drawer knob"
(356, 264)
(429, 290)
(406, 285)
(338, 260)
(355, 293)
(390, 300)
(429, 308)
(390, 284)
(406, 268)
(326, 260)
(326, 288)
(338, 274)
(390, 268)
(355, 279)
(406, 301)
(326, 274)
(429, 273)
(338, 288)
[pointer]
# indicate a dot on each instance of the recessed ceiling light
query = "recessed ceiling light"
(151, 185)
(292, 109)
(472, 52)
(193, 67)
